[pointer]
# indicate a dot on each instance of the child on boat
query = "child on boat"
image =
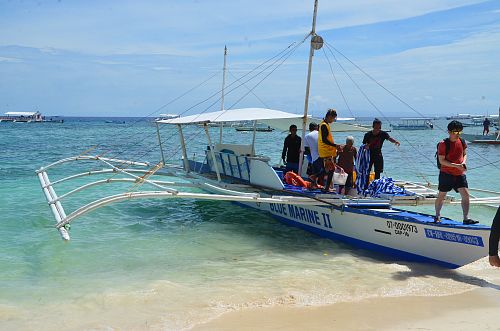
(346, 161)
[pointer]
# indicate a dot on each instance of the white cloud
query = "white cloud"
(109, 62)
(161, 68)
(10, 59)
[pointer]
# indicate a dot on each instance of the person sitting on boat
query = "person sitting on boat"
(291, 150)
(327, 149)
(373, 141)
(311, 150)
(452, 157)
(494, 238)
(486, 126)
(346, 161)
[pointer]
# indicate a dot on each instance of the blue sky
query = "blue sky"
(128, 58)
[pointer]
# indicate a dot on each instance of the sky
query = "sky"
(135, 58)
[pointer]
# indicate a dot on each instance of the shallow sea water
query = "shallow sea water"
(171, 264)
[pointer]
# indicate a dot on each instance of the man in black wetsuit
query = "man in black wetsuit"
(373, 141)
(494, 238)
(291, 150)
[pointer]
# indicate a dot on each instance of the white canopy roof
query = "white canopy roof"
(21, 113)
(277, 119)
(233, 115)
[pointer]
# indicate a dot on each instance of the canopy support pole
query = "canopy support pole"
(253, 138)
(308, 85)
(159, 141)
(205, 126)
(184, 152)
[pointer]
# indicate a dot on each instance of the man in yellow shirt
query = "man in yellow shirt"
(327, 149)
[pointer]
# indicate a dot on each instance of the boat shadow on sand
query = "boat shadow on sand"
(421, 270)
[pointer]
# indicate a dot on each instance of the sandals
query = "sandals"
(469, 221)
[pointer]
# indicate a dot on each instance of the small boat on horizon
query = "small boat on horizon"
(256, 128)
(459, 117)
(414, 123)
(166, 117)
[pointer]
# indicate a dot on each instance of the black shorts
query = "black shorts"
(317, 167)
(448, 182)
(377, 161)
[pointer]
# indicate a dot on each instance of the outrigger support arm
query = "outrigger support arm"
(207, 196)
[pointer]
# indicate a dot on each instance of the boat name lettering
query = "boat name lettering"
(301, 214)
(455, 237)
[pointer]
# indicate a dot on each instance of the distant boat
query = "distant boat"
(28, 117)
(257, 128)
(460, 117)
(22, 117)
(114, 122)
(166, 117)
(417, 123)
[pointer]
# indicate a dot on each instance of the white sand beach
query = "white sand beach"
(475, 310)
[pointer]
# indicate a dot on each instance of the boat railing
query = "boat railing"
(230, 164)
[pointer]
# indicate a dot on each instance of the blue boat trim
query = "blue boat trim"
(454, 237)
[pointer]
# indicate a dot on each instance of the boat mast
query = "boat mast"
(222, 97)
(316, 44)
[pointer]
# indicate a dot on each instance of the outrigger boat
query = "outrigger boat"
(236, 173)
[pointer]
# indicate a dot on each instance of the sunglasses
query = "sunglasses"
(456, 132)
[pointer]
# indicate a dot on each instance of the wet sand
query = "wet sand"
(474, 310)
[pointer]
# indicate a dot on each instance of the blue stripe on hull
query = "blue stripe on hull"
(360, 243)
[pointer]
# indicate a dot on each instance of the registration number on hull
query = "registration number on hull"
(401, 228)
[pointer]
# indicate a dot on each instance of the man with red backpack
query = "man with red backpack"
(452, 157)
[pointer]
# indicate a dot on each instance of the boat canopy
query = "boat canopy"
(234, 115)
(277, 119)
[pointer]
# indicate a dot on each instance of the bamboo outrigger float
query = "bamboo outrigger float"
(235, 173)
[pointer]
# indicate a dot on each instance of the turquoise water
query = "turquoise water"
(172, 264)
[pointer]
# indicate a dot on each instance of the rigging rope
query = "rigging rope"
(375, 106)
(394, 95)
(338, 85)
(255, 95)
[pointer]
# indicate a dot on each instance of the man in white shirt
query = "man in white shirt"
(311, 151)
